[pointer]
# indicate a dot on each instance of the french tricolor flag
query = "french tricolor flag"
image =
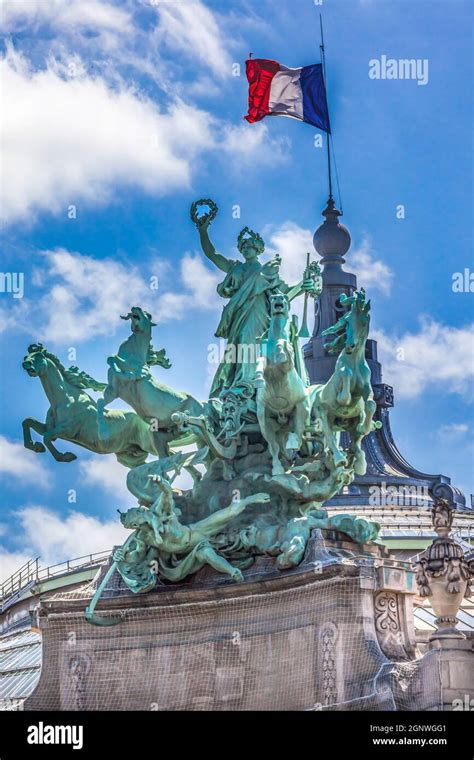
(276, 90)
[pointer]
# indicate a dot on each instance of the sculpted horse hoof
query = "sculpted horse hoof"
(68, 456)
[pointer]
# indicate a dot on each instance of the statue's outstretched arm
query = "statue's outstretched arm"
(308, 285)
(166, 502)
(311, 284)
(215, 522)
(209, 250)
(294, 291)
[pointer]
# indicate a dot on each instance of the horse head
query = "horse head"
(352, 328)
(279, 305)
(35, 362)
(279, 350)
(141, 321)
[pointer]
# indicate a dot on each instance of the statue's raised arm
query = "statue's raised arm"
(202, 223)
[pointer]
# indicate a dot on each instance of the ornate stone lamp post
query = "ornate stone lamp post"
(443, 574)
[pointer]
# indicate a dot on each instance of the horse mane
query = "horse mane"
(78, 378)
(339, 329)
(157, 358)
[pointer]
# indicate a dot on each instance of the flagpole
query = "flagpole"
(323, 62)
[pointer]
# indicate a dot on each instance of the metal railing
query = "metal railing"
(465, 538)
(31, 573)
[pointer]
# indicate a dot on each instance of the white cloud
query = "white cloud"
(10, 562)
(191, 28)
(200, 285)
(437, 355)
(63, 15)
(22, 464)
(88, 139)
(92, 138)
(452, 431)
(200, 281)
(371, 273)
(292, 242)
(246, 144)
(84, 296)
(14, 316)
(56, 538)
(106, 473)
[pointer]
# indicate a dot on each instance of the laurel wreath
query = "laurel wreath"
(211, 214)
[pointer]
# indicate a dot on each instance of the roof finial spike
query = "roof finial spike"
(332, 239)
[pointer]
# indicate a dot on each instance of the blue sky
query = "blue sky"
(129, 111)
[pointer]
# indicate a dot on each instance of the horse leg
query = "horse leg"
(160, 443)
(369, 411)
(28, 425)
(259, 381)
(358, 456)
(110, 394)
(50, 436)
(363, 428)
(269, 431)
(368, 408)
(329, 436)
(267, 428)
(344, 394)
(42, 429)
(301, 419)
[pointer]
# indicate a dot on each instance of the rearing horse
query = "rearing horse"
(130, 379)
(346, 401)
(283, 397)
(73, 417)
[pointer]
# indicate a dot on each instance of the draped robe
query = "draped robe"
(244, 319)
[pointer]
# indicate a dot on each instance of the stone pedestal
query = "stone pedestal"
(456, 663)
(335, 633)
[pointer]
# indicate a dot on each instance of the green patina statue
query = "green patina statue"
(268, 453)
(182, 549)
(73, 415)
(130, 378)
(283, 396)
(346, 401)
(247, 285)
